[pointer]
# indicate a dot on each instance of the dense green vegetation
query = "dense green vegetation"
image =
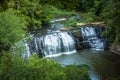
(113, 29)
(94, 10)
(18, 17)
(11, 28)
(13, 67)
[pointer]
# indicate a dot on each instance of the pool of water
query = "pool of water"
(103, 64)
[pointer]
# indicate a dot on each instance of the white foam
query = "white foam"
(66, 53)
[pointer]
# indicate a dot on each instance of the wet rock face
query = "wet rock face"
(76, 32)
(79, 40)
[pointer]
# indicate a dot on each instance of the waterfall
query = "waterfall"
(53, 44)
(92, 37)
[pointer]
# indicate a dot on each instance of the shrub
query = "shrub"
(13, 67)
(34, 68)
(76, 73)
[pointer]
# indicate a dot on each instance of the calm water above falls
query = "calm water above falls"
(103, 64)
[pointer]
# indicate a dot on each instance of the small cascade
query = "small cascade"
(53, 44)
(92, 37)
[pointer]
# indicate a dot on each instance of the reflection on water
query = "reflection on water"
(103, 64)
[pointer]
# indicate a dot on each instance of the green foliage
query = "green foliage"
(34, 12)
(88, 17)
(49, 12)
(62, 4)
(47, 69)
(3, 5)
(33, 68)
(97, 7)
(114, 24)
(76, 73)
(5, 65)
(11, 28)
(113, 29)
(14, 67)
(86, 5)
(69, 4)
(70, 22)
(31, 10)
(55, 3)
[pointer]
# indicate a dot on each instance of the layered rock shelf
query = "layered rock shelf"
(92, 23)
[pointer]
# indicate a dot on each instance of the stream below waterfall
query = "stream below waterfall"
(103, 64)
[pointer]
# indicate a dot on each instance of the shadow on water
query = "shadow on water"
(103, 64)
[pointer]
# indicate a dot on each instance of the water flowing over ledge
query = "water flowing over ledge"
(92, 38)
(55, 43)
(52, 44)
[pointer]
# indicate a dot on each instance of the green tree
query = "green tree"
(14, 67)
(31, 10)
(3, 5)
(44, 69)
(77, 72)
(113, 29)
(49, 13)
(34, 68)
(5, 65)
(11, 29)
(62, 4)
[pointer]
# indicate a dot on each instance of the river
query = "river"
(103, 64)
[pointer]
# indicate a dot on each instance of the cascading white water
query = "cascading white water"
(55, 43)
(90, 36)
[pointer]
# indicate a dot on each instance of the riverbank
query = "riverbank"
(115, 49)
